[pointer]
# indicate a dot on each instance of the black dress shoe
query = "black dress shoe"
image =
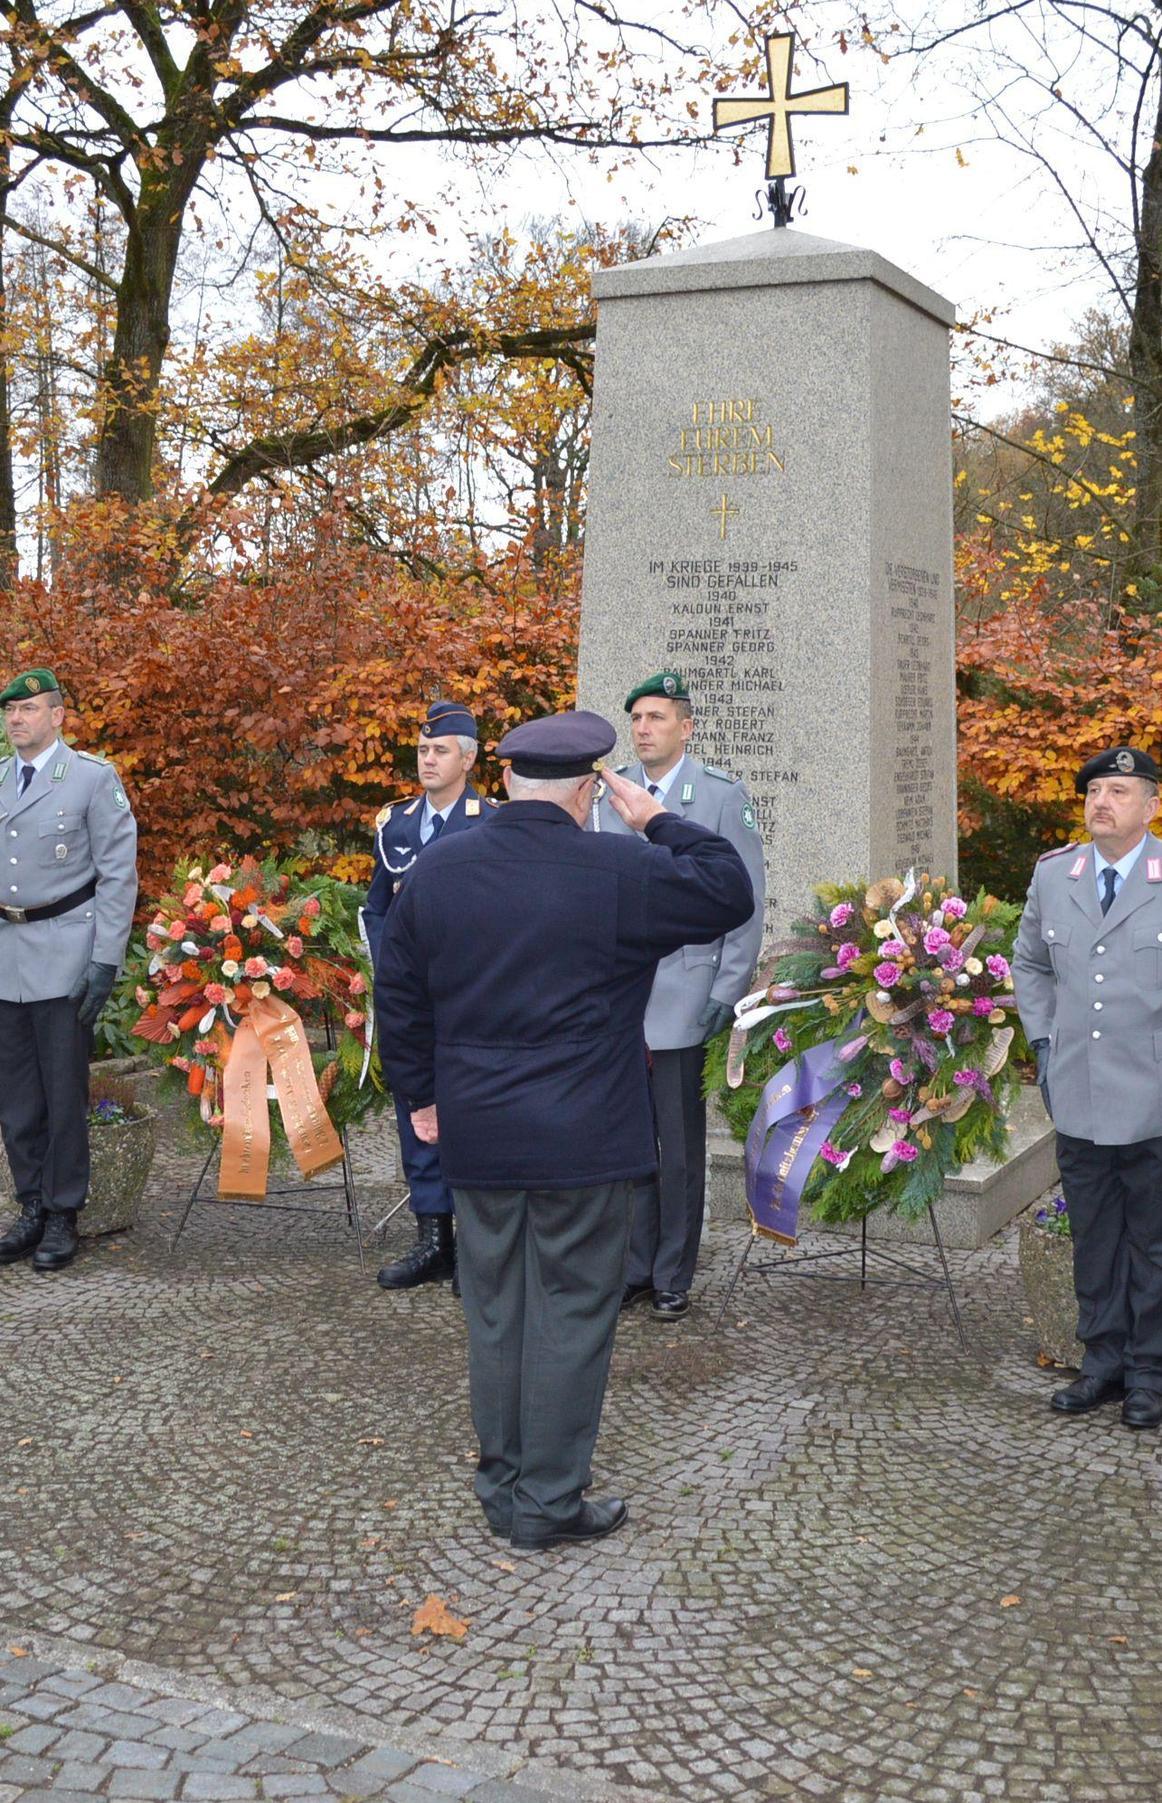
(58, 1244)
(591, 1521)
(1142, 1408)
(669, 1305)
(1087, 1393)
(431, 1260)
(24, 1235)
(634, 1292)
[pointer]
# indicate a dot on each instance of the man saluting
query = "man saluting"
(511, 988)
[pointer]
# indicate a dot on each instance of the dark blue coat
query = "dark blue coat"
(512, 983)
(397, 846)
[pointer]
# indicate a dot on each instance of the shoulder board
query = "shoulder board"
(413, 805)
(621, 769)
(724, 776)
(1058, 851)
(384, 815)
(91, 757)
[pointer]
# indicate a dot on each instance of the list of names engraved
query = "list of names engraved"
(913, 598)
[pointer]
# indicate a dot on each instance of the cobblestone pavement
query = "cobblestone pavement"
(861, 1565)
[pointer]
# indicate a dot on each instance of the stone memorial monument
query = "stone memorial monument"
(770, 512)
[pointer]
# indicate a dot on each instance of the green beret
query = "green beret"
(666, 683)
(28, 685)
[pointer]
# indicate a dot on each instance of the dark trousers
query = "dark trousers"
(668, 1211)
(430, 1195)
(542, 1274)
(44, 1101)
(1114, 1196)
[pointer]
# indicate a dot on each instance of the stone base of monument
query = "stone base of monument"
(980, 1200)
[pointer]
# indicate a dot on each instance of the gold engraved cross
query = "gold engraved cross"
(723, 512)
(735, 110)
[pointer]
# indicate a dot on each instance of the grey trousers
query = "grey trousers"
(667, 1212)
(44, 1100)
(541, 1273)
(1114, 1196)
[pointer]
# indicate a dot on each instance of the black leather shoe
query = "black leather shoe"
(634, 1292)
(670, 1305)
(591, 1521)
(24, 1235)
(1142, 1408)
(431, 1259)
(1087, 1393)
(58, 1243)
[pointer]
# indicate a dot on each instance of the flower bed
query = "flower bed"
(893, 1003)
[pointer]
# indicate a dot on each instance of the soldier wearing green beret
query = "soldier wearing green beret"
(68, 884)
(693, 994)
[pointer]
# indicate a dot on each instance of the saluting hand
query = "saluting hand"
(635, 804)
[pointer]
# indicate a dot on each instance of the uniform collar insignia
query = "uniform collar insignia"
(472, 806)
(1079, 864)
(59, 771)
(1154, 870)
(413, 805)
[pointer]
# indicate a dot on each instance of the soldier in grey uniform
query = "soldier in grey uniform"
(1088, 976)
(68, 884)
(692, 998)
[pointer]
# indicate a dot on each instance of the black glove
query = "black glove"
(714, 1017)
(92, 990)
(1041, 1047)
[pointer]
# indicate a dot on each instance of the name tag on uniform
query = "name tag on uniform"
(1078, 865)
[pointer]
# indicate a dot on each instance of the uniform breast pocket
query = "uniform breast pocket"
(1056, 937)
(62, 841)
(1148, 955)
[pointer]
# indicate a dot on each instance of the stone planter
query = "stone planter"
(121, 1157)
(1046, 1261)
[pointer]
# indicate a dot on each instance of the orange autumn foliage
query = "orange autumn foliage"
(278, 715)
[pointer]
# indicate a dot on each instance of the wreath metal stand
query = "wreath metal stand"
(273, 1197)
(916, 1280)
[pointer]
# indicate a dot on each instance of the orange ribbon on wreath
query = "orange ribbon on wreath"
(271, 1034)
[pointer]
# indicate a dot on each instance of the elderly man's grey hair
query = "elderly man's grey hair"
(544, 788)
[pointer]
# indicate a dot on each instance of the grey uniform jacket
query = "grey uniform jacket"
(1091, 984)
(72, 823)
(692, 982)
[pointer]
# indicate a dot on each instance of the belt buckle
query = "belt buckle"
(18, 917)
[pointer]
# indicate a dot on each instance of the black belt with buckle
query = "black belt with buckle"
(17, 917)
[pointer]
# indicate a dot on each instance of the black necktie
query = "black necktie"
(27, 772)
(653, 788)
(437, 826)
(1109, 878)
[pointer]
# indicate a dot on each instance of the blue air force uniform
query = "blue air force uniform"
(404, 830)
(511, 989)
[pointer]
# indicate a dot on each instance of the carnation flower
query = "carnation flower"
(940, 1021)
(952, 957)
(312, 906)
(782, 1039)
(215, 994)
(905, 1152)
(142, 997)
(847, 954)
(255, 967)
(220, 923)
(180, 1064)
(982, 1005)
(997, 966)
(841, 914)
(358, 984)
(855, 1089)
(229, 967)
(935, 939)
(901, 1115)
(220, 873)
(294, 946)
(284, 978)
(177, 929)
(883, 929)
(192, 895)
(205, 1048)
(354, 1020)
(966, 1079)
(886, 974)
(954, 908)
(893, 948)
(249, 920)
(832, 1155)
(260, 991)
(973, 966)
(900, 1071)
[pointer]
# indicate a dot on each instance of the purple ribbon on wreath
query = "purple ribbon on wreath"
(798, 1108)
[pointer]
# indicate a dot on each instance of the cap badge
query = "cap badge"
(32, 684)
(669, 686)
(1125, 762)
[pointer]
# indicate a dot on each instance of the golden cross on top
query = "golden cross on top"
(723, 512)
(735, 110)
